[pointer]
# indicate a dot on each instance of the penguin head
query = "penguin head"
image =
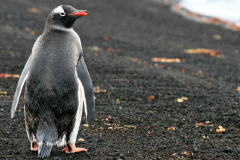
(65, 16)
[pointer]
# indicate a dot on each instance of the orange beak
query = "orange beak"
(80, 13)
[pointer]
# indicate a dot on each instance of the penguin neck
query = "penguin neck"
(51, 27)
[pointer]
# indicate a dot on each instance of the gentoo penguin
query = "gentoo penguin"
(57, 85)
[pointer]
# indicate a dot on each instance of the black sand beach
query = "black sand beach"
(144, 109)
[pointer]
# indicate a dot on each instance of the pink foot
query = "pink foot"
(34, 146)
(71, 148)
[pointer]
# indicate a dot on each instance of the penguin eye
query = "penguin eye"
(62, 14)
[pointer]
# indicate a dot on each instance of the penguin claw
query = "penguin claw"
(71, 148)
(34, 146)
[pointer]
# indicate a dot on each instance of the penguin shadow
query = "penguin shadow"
(57, 154)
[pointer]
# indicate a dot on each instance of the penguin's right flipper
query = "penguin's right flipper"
(88, 88)
(20, 84)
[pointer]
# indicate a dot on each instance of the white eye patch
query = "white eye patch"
(59, 10)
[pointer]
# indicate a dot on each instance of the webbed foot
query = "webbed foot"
(71, 148)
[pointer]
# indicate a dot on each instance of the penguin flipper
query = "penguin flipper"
(20, 84)
(85, 78)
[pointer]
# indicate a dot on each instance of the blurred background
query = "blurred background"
(218, 12)
(148, 27)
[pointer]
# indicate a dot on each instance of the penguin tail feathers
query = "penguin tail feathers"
(44, 150)
(46, 136)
